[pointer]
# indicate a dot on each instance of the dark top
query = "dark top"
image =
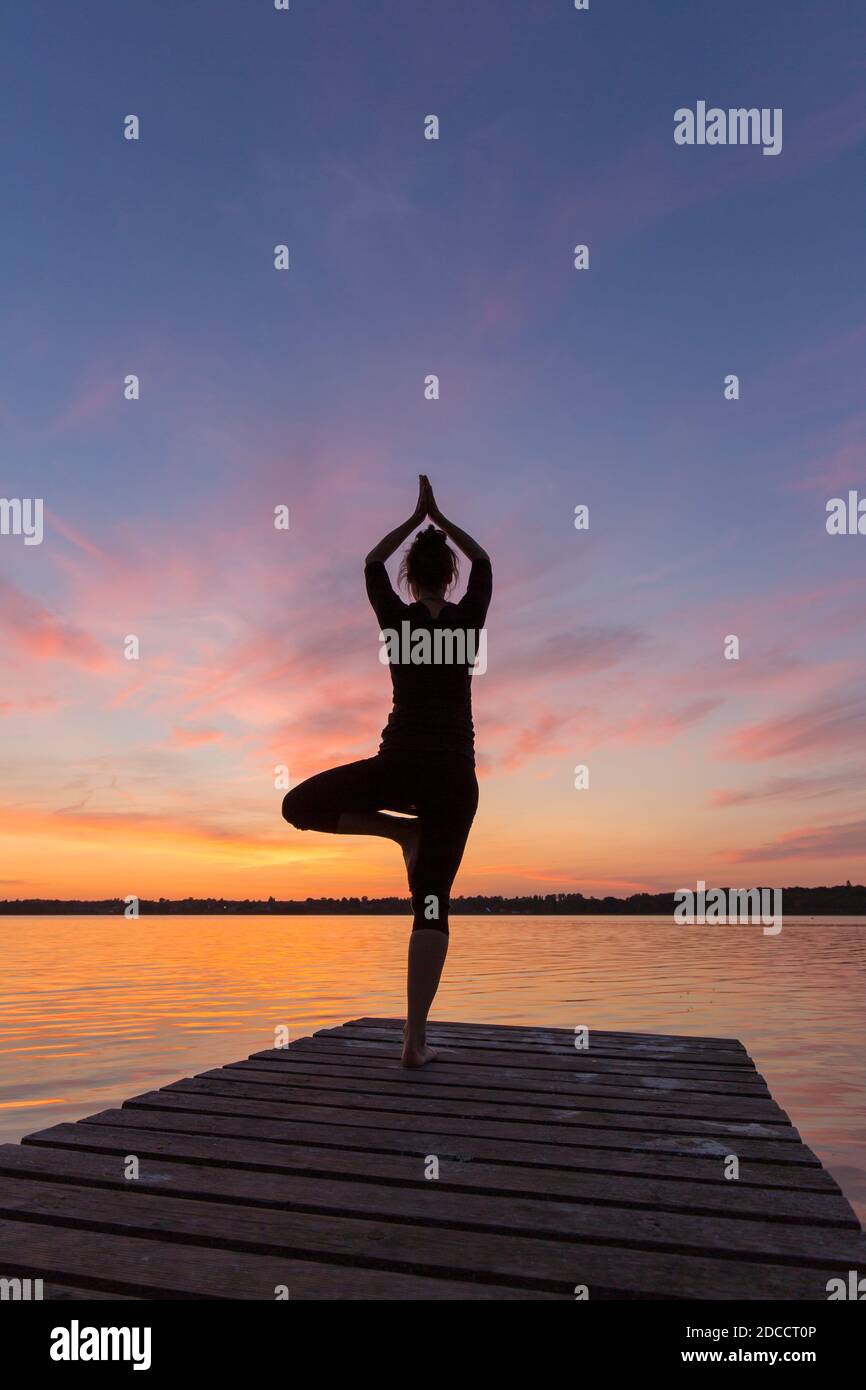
(432, 696)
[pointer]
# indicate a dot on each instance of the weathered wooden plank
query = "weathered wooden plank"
(461, 1150)
(526, 1104)
(522, 1030)
(555, 1265)
(581, 1115)
(452, 1038)
(566, 1136)
(312, 1078)
(431, 1204)
(123, 1265)
(745, 1081)
(556, 1068)
(500, 1082)
(710, 1197)
(72, 1293)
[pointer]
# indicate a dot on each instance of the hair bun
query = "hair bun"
(430, 561)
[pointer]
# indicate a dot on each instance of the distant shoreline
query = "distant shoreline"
(843, 900)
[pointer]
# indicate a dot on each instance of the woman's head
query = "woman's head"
(429, 566)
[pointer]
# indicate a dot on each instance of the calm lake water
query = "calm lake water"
(95, 1009)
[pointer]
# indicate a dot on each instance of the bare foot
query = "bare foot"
(414, 1056)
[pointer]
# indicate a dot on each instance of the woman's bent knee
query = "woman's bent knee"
(306, 808)
(296, 808)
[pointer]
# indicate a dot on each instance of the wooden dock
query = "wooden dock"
(311, 1171)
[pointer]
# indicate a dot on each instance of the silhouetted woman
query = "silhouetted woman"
(426, 760)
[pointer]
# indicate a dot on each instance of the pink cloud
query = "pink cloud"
(34, 631)
(88, 405)
(786, 789)
(537, 740)
(578, 651)
(828, 842)
(76, 538)
(838, 464)
(35, 704)
(652, 725)
(192, 738)
(833, 725)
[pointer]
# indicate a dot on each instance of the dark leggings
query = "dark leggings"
(439, 788)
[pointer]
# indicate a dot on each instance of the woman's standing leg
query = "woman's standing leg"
(447, 801)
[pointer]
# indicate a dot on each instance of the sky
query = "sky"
(559, 387)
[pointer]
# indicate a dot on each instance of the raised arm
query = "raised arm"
(470, 547)
(388, 544)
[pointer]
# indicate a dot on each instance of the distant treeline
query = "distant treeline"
(796, 902)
